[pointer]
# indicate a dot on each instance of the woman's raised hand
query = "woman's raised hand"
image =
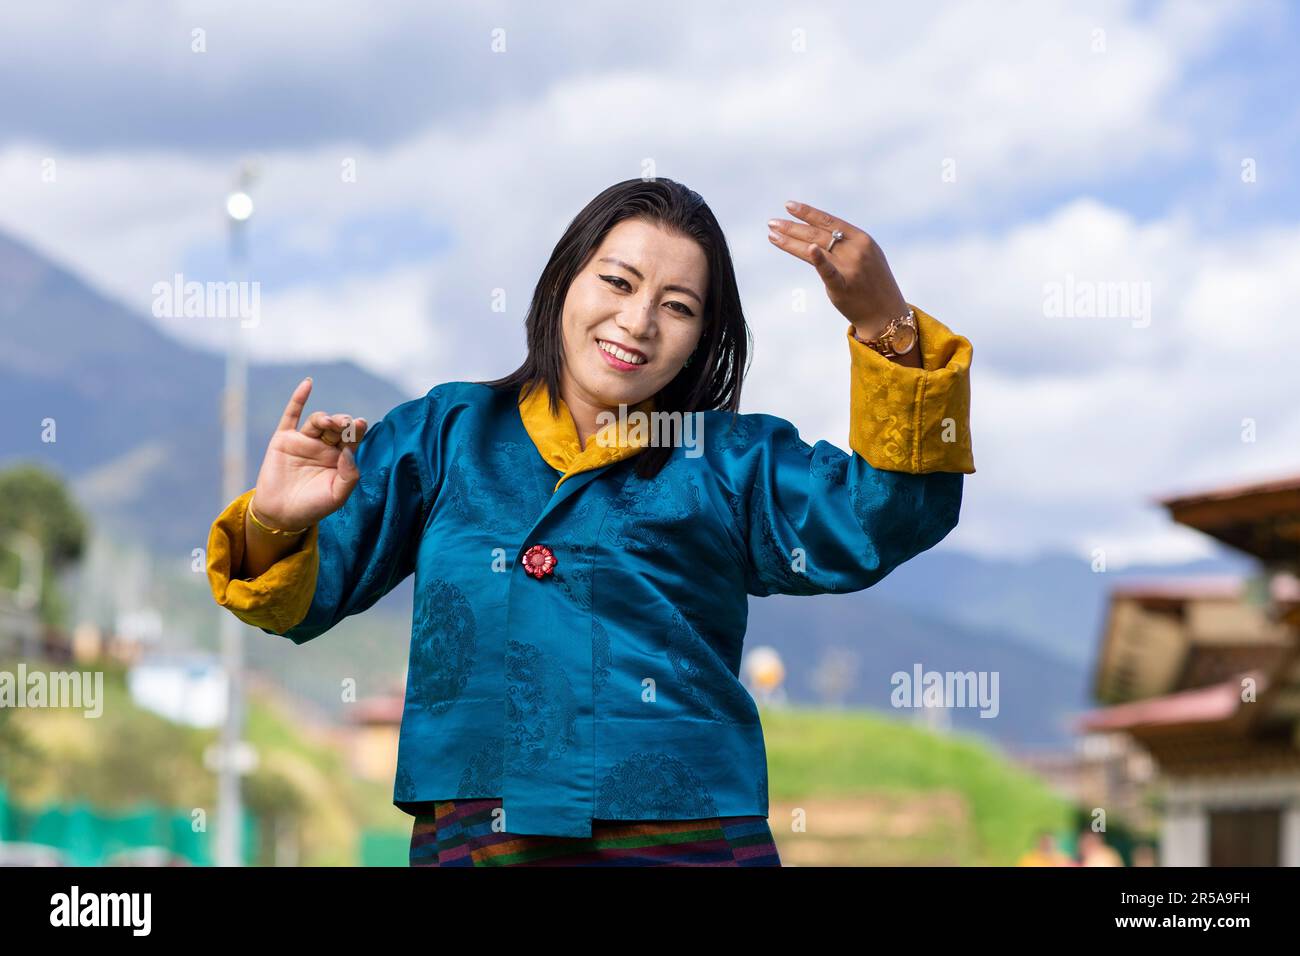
(858, 280)
(308, 472)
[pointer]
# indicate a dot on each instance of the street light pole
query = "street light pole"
(230, 810)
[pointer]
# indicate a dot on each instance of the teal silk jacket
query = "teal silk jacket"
(609, 687)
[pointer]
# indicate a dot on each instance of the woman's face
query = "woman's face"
(641, 295)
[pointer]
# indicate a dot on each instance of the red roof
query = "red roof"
(1212, 704)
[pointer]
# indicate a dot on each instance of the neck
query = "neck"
(584, 413)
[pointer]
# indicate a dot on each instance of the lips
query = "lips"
(619, 356)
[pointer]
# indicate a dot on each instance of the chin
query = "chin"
(610, 394)
(621, 398)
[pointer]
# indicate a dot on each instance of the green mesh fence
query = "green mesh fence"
(88, 836)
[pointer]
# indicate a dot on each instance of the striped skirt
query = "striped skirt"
(459, 833)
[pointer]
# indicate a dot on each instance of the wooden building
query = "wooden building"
(1204, 675)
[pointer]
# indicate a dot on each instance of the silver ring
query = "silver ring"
(836, 236)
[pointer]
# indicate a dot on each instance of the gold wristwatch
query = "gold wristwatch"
(899, 337)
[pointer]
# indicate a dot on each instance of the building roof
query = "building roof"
(1163, 635)
(1283, 588)
(1287, 483)
(1205, 587)
(1261, 518)
(1176, 653)
(1216, 704)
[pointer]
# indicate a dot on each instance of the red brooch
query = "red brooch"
(539, 561)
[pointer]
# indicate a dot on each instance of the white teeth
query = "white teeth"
(618, 353)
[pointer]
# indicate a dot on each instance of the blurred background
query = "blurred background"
(1105, 201)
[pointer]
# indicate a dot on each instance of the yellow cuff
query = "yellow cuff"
(277, 599)
(915, 420)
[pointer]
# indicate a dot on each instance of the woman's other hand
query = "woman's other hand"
(307, 473)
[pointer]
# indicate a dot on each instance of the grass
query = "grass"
(843, 757)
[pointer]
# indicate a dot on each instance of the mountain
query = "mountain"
(137, 414)
(1054, 604)
(855, 643)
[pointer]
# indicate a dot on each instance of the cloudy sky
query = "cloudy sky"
(1001, 153)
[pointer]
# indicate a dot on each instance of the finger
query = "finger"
(793, 246)
(831, 275)
(345, 477)
(822, 219)
(338, 427)
(317, 424)
(800, 231)
(292, 411)
(353, 434)
(344, 425)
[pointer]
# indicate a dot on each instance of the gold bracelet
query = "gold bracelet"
(267, 528)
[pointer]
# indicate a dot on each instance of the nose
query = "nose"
(638, 319)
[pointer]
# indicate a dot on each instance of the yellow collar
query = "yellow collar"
(556, 437)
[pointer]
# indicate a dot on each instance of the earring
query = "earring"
(689, 359)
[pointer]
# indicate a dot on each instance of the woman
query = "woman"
(585, 533)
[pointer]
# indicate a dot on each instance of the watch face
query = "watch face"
(904, 339)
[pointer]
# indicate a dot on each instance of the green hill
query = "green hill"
(878, 791)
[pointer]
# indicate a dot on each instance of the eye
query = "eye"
(681, 307)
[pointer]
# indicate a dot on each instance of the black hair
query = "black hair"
(713, 379)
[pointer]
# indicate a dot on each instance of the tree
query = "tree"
(36, 501)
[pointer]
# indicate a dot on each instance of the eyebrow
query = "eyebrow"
(636, 272)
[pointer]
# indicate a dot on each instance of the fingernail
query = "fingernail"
(774, 223)
(790, 204)
(773, 236)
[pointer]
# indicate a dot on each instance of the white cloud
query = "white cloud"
(873, 107)
(380, 322)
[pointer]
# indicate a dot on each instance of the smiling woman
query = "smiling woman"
(581, 595)
(644, 269)
(629, 329)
